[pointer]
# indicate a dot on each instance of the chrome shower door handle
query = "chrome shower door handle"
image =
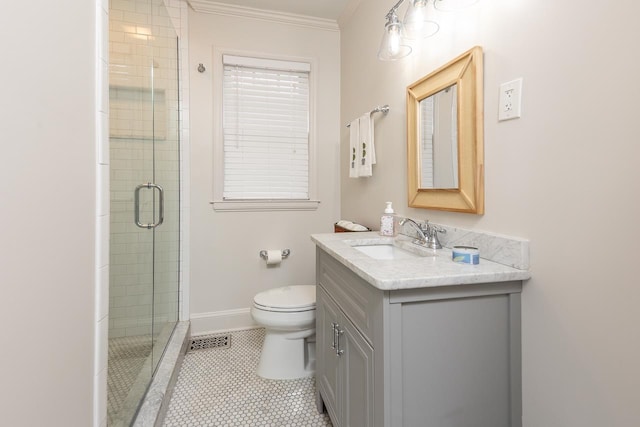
(136, 209)
(333, 332)
(339, 351)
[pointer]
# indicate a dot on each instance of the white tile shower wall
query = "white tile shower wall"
(179, 13)
(132, 128)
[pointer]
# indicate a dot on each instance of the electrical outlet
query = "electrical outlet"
(510, 104)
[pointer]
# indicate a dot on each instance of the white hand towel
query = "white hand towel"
(344, 223)
(373, 145)
(354, 158)
(367, 151)
(358, 227)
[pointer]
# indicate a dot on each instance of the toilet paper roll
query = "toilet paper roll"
(274, 256)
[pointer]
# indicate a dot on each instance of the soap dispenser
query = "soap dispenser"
(387, 221)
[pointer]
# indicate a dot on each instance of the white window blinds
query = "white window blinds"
(266, 129)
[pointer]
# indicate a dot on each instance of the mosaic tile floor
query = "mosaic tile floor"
(126, 357)
(219, 387)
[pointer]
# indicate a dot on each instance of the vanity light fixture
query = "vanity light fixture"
(393, 46)
(415, 25)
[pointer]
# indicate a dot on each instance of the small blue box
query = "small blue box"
(465, 255)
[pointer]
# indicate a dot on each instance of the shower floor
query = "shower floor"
(127, 356)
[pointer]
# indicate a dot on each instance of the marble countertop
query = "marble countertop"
(414, 272)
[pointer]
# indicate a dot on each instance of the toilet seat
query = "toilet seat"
(287, 299)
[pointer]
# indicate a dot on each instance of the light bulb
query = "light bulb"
(414, 19)
(394, 40)
(416, 24)
(392, 46)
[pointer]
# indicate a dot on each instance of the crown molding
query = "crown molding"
(209, 6)
(348, 12)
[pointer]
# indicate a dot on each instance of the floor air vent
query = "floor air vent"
(210, 341)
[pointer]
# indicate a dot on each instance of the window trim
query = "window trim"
(260, 205)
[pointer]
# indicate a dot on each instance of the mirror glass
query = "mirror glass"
(445, 153)
(438, 135)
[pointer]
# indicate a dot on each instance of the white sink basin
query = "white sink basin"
(385, 252)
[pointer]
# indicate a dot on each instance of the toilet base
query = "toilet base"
(287, 355)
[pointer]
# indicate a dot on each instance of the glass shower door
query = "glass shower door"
(131, 247)
(166, 241)
(144, 169)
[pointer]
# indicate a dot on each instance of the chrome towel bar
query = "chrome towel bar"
(384, 109)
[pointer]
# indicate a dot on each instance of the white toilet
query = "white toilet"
(289, 316)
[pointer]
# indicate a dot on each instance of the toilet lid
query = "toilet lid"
(287, 298)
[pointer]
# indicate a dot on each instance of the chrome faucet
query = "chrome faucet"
(431, 231)
(422, 238)
(427, 234)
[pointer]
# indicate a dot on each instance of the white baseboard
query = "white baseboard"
(221, 321)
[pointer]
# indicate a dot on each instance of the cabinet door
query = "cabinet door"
(356, 373)
(327, 360)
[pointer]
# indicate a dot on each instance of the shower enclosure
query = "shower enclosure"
(145, 198)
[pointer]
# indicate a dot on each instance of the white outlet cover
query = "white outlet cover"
(510, 103)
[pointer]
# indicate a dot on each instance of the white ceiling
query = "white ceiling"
(327, 9)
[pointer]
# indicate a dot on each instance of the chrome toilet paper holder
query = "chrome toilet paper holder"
(285, 253)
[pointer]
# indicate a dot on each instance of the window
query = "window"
(266, 134)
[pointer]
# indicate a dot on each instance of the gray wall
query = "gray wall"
(226, 270)
(565, 176)
(48, 212)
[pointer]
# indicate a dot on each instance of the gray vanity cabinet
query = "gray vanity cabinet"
(347, 366)
(433, 356)
(327, 372)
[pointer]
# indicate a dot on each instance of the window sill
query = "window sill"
(264, 205)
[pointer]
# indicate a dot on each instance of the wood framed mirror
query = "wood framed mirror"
(445, 151)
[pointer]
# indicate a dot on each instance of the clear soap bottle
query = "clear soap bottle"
(387, 221)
